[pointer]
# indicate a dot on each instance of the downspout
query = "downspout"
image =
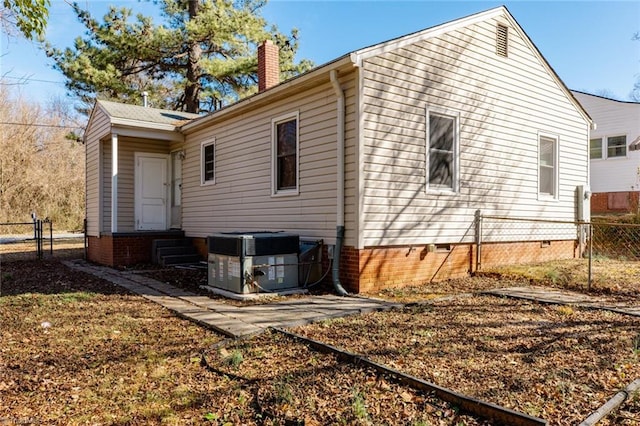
(333, 75)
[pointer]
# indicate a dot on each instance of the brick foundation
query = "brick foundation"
(372, 269)
(125, 249)
(615, 202)
(368, 270)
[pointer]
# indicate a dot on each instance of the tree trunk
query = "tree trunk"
(192, 89)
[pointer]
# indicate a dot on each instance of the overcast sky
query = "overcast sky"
(589, 44)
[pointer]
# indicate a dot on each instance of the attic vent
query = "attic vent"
(502, 40)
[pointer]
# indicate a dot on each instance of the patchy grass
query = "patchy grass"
(290, 383)
(78, 350)
(609, 277)
(556, 362)
(69, 248)
(75, 349)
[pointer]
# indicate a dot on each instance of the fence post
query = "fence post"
(50, 237)
(590, 225)
(478, 239)
(37, 224)
(84, 229)
(41, 239)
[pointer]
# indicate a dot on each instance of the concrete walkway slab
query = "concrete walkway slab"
(235, 321)
(564, 297)
(239, 321)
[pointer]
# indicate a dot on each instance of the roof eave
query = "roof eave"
(197, 123)
(360, 55)
(127, 122)
(550, 69)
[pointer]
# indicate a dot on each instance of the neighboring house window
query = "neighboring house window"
(548, 166)
(442, 142)
(616, 146)
(502, 40)
(285, 154)
(595, 148)
(208, 161)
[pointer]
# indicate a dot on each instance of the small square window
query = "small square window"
(207, 167)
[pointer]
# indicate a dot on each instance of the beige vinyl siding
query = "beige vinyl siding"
(127, 147)
(503, 104)
(100, 126)
(241, 200)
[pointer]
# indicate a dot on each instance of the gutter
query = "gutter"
(340, 107)
(266, 95)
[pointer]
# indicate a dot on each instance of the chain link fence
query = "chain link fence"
(620, 241)
(21, 240)
(596, 255)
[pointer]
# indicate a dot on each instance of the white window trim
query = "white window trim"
(604, 141)
(602, 149)
(556, 168)
(202, 147)
(456, 150)
(274, 156)
(605, 147)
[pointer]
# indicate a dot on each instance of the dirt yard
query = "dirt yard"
(77, 350)
(67, 248)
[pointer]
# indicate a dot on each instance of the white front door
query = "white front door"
(151, 192)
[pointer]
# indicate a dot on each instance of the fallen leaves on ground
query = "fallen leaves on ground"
(555, 362)
(75, 349)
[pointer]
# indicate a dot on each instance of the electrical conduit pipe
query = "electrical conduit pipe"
(333, 75)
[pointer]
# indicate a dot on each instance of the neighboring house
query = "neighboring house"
(397, 145)
(614, 153)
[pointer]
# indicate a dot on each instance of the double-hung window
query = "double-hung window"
(208, 163)
(548, 166)
(616, 146)
(442, 150)
(285, 149)
(608, 147)
(595, 149)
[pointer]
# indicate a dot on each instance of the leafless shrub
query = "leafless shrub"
(41, 168)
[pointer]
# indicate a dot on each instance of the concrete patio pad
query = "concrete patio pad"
(231, 320)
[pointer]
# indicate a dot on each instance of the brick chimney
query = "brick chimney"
(268, 65)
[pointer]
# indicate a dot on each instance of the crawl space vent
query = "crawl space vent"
(502, 40)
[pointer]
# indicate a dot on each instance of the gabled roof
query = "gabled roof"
(356, 58)
(139, 121)
(359, 55)
(604, 98)
(167, 120)
(126, 114)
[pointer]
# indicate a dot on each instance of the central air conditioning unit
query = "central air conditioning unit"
(253, 262)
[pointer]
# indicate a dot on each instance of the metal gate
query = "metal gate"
(27, 236)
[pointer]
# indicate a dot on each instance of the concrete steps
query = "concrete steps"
(172, 252)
